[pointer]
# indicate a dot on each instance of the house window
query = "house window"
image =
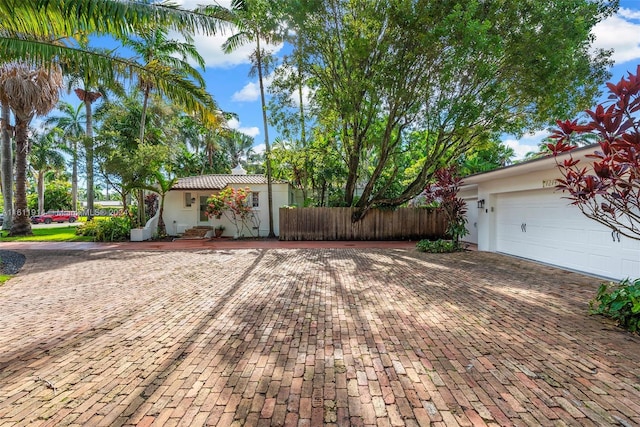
(255, 199)
(188, 200)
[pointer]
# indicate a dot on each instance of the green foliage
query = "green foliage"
(619, 301)
(438, 246)
(57, 197)
(402, 88)
(114, 229)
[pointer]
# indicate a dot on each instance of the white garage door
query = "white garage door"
(542, 226)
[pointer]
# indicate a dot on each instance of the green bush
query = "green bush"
(438, 246)
(619, 301)
(113, 229)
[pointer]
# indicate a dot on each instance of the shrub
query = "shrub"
(113, 229)
(619, 301)
(438, 246)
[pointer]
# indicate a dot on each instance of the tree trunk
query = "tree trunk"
(40, 192)
(21, 225)
(143, 119)
(267, 148)
(89, 158)
(162, 228)
(6, 168)
(74, 177)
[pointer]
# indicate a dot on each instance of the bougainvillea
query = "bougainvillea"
(233, 203)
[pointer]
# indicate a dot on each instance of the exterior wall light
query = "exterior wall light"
(481, 204)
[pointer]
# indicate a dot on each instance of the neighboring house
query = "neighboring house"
(185, 204)
(516, 210)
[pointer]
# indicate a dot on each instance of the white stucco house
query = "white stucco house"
(185, 204)
(516, 210)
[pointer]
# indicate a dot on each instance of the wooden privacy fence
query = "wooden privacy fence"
(336, 224)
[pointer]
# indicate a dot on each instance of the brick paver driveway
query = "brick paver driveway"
(308, 337)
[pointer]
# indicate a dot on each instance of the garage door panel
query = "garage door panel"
(558, 233)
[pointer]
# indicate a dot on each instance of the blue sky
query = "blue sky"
(228, 81)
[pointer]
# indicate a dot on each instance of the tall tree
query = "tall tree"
(44, 156)
(155, 50)
(29, 92)
(238, 147)
(72, 123)
(457, 71)
(6, 165)
(257, 22)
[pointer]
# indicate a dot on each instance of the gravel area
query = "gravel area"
(11, 262)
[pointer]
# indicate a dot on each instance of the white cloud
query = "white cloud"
(252, 131)
(259, 149)
(629, 13)
(250, 92)
(621, 35)
(210, 47)
(525, 144)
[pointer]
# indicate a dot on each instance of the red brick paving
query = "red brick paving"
(305, 337)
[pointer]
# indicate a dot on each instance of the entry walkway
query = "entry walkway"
(307, 337)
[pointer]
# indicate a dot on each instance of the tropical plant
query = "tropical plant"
(437, 246)
(619, 301)
(44, 156)
(162, 187)
(113, 229)
(29, 92)
(154, 49)
(238, 147)
(72, 122)
(443, 193)
(606, 189)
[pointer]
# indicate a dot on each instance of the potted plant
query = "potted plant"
(218, 230)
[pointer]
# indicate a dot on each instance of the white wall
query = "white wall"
(179, 217)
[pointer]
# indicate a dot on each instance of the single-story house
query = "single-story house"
(517, 210)
(185, 204)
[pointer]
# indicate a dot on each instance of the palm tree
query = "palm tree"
(71, 122)
(155, 50)
(238, 145)
(29, 92)
(255, 22)
(162, 187)
(6, 167)
(46, 31)
(44, 156)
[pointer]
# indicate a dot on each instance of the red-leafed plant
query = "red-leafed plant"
(608, 189)
(444, 194)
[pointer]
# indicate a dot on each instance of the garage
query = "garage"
(542, 226)
(519, 212)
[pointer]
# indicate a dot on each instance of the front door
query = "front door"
(203, 219)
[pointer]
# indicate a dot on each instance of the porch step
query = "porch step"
(196, 232)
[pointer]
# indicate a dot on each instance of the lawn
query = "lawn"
(53, 234)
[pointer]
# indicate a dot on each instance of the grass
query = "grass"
(4, 278)
(54, 234)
